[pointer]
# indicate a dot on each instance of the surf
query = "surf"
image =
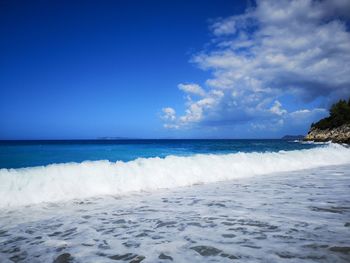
(67, 181)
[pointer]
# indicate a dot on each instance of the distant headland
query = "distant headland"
(335, 128)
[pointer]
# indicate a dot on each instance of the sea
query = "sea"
(174, 201)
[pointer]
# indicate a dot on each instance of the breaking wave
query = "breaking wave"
(60, 182)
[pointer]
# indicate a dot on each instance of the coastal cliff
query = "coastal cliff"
(335, 128)
(339, 134)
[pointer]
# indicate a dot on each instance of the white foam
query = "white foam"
(59, 182)
(313, 142)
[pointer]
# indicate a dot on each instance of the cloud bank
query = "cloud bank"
(264, 60)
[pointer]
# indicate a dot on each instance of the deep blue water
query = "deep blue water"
(16, 154)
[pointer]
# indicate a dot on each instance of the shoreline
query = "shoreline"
(301, 215)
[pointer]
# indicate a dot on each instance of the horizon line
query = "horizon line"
(148, 139)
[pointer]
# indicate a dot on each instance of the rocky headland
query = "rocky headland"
(339, 134)
(335, 128)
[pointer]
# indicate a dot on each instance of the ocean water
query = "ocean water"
(174, 200)
(18, 154)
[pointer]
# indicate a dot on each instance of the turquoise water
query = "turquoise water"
(18, 154)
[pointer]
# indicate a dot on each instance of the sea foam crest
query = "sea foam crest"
(59, 182)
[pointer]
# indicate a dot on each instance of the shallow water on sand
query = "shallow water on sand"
(301, 216)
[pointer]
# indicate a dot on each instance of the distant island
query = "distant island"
(292, 137)
(335, 127)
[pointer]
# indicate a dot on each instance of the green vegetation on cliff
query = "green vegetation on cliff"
(339, 114)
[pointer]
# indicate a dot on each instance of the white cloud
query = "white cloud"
(305, 115)
(171, 126)
(224, 27)
(296, 50)
(192, 89)
(195, 110)
(169, 114)
(277, 108)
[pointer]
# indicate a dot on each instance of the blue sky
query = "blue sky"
(170, 69)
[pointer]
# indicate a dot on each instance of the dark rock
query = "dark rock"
(206, 250)
(59, 249)
(163, 256)
(63, 258)
(225, 255)
(344, 250)
(138, 259)
(128, 256)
